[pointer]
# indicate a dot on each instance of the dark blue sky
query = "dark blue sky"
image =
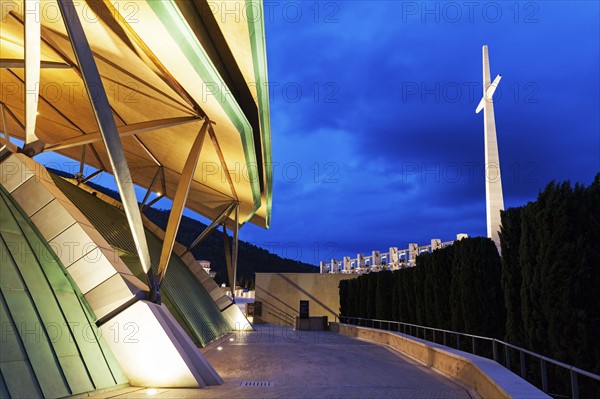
(375, 138)
(384, 131)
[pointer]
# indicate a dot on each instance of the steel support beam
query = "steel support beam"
(9, 63)
(6, 146)
(234, 255)
(97, 156)
(32, 41)
(109, 134)
(124, 131)
(81, 164)
(4, 123)
(155, 200)
(214, 224)
(150, 188)
(163, 192)
(231, 252)
(183, 189)
(90, 177)
(228, 262)
(213, 137)
(147, 150)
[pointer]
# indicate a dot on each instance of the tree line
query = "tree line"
(454, 288)
(543, 293)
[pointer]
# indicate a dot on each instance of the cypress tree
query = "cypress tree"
(403, 310)
(409, 294)
(371, 291)
(441, 267)
(456, 311)
(385, 288)
(396, 295)
(353, 297)
(510, 237)
(476, 294)
(534, 325)
(570, 284)
(418, 290)
(363, 296)
(344, 297)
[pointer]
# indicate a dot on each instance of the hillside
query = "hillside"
(251, 258)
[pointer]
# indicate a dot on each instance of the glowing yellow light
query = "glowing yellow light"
(158, 193)
(219, 348)
(231, 339)
(151, 391)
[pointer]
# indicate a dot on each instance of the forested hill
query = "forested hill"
(251, 258)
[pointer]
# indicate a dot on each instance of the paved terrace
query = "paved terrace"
(309, 364)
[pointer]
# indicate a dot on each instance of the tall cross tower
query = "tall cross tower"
(494, 201)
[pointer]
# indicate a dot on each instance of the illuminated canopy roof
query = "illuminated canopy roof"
(165, 66)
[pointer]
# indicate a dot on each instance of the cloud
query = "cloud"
(401, 132)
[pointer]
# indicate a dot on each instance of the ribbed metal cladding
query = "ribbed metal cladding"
(51, 347)
(108, 220)
(182, 293)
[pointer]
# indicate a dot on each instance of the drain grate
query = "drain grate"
(261, 384)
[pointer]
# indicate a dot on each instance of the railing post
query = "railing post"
(473, 344)
(495, 350)
(574, 385)
(507, 356)
(523, 368)
(458, 341)
(433, 337)
(444, 338)
(544, 375)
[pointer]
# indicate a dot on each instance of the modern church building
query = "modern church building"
(169, 96)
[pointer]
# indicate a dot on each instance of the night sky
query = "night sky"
(375, 138)
(384, 132)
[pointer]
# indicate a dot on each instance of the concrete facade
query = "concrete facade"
(281, 293)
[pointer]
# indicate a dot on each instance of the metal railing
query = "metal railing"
(495, 344)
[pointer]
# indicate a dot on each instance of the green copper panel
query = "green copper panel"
(53, 347)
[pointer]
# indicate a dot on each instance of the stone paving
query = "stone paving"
(307, 364)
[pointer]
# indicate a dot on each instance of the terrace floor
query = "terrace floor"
(308, 364)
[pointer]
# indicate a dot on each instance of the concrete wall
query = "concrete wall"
(281, 293)
(488, 378)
